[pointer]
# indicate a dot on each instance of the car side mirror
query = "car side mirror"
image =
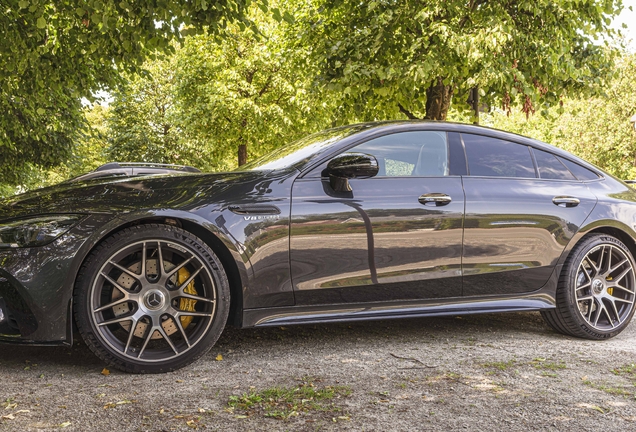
(350, 165)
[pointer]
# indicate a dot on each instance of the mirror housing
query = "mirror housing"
(350, 165)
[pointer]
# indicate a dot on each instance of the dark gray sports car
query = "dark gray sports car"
(381, 220)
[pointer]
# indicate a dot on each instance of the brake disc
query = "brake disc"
(168, 324)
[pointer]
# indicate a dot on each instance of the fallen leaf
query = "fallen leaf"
(105, 372)
(8, 417)
(201, 410)
(179, 381)
(219, 357)
(65, 424)
(240, 416)
(192, 424)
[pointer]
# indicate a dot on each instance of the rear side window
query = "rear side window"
(493, 157)
(550, 167)
(580, 172)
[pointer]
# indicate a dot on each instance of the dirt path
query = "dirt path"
(488, 372)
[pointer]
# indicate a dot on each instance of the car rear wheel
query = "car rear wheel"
(596, 292)
(151, 298)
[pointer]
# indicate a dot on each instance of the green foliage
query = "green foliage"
(244, 91)
(213, 95)
(143, 123)
(88, 151)
(53, 53)
(384, 57)
(595, 128)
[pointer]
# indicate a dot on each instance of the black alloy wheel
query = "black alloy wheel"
(151, 298)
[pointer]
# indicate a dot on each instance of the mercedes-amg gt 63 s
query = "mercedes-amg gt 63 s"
(370, 221)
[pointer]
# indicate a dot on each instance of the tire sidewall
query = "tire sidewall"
(569, 293)
(90, 271)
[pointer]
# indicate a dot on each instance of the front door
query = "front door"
(395, 236)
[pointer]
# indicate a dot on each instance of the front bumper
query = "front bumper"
(36, 286)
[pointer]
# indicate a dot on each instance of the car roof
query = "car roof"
(385, 127)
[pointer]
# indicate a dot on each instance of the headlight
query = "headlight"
(36, 231)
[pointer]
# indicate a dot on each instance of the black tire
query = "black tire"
(595, 294)
(143, 319)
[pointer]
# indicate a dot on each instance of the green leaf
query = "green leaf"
(41, 23)
(288, 17)
(40, 111)
(23, 4)
(276, 14)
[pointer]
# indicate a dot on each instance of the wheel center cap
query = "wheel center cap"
(154, 300)
(598, 286)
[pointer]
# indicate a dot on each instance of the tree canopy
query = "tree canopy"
(213, 83)
(598, 128)
(391, 58)
(217, 100)
(54, 53)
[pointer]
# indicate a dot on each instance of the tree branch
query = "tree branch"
(407, 113)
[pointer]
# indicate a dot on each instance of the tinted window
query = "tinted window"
(300, 152)
(497, 158)
(580, 172)
(550, 167)
(423, 154)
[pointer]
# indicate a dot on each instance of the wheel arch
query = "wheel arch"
(230, 259)
(623, 236)
(611, 227)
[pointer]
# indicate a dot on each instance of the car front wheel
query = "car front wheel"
(151, 298)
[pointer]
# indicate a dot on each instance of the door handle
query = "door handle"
(566, 201)
(436, 199)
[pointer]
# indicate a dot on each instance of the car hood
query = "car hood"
(181, 191)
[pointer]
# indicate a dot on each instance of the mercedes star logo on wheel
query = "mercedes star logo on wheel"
(154, 299)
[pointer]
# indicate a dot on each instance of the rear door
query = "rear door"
(519, 217)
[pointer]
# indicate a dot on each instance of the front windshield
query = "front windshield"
(299, 152)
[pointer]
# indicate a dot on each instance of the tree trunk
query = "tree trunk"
(242, 154)
(438, 99)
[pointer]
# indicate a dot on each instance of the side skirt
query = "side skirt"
(376, 311)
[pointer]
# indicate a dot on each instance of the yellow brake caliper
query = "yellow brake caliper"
(610, 291)
(186, 304)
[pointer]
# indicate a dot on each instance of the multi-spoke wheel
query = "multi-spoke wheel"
(151, 298)
(597, 289)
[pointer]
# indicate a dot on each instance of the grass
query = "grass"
(502, 366)
(285, 402)
(540, 363)
(628, 371)
(617, 391)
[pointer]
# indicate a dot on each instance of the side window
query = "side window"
(550, 167)
(493, 157)
(580, 172)
(420, 153)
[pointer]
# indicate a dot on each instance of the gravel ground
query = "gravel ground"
(487, 372)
